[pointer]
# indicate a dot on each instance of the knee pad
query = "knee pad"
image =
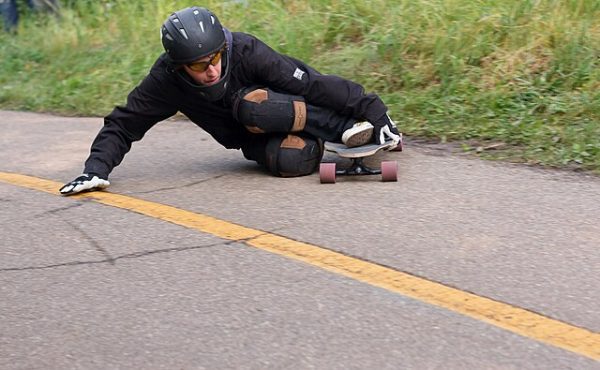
(293, 155)
(265, 111)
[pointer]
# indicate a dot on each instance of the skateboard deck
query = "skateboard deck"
(357, 151)
(388, 169)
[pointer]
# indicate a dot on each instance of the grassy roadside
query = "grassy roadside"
(519, 76)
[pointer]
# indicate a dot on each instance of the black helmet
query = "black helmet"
(190, 34)
(193, 33)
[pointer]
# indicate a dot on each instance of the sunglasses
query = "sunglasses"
(203, 66)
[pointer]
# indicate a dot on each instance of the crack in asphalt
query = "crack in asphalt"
(179, 187)
(109, 259)
(112, 260)
(56, 210)
(85, 235)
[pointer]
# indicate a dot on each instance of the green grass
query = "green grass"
(524, 73)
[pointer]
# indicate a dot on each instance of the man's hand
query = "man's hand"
(385, 129)
(87, 182)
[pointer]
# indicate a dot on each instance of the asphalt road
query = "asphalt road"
(91, 286)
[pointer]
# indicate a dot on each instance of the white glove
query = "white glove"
(84, 182)
(386, 130)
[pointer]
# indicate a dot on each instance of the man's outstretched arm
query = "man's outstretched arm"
(147, 104)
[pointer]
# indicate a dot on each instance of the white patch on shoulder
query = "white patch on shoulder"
(298, 74)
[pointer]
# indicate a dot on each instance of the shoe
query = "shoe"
(360, 133)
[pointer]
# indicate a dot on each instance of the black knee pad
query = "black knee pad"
(293, 155)
(265, 111)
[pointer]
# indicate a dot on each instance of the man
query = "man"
(10, 11)
(276, 109)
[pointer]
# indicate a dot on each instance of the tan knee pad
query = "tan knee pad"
(265, 111)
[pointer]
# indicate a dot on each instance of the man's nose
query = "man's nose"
(212, 70)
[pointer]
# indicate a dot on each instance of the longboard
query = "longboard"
(388, 169)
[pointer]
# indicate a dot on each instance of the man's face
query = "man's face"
(210, 76)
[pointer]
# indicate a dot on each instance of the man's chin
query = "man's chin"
(211, 82)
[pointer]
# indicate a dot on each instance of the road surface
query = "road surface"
(195, 258)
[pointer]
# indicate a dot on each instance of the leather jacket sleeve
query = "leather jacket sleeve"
(146, 105)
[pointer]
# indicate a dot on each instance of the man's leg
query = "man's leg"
(262, 110)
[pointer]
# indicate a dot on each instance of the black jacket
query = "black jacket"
(162, 93)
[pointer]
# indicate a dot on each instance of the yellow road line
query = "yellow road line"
(511, 318)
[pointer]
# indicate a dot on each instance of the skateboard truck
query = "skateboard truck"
(358, 167)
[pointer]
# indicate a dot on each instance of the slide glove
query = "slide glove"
(385, 129)
(85, 182)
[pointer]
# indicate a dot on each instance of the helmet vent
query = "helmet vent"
(212, 19)
(202, 26)
(182, 31)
